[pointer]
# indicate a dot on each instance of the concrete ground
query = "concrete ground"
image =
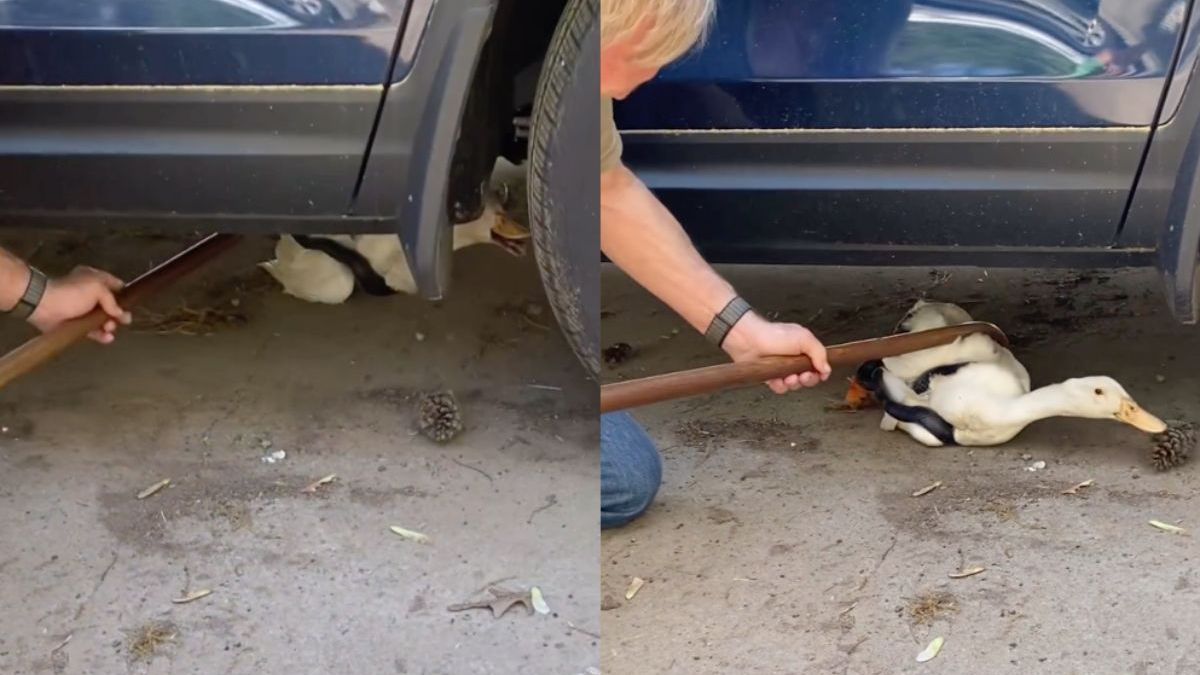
(785, 538)
(301, 582)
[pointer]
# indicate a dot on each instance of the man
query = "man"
(26, 293)
(638, 37)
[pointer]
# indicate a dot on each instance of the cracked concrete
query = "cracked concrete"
(302, 582)
(785, 538)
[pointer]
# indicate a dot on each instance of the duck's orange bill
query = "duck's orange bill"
(858, 397)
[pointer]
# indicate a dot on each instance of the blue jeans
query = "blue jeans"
(630, 470)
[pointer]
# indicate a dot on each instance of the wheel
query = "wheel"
(564, 185)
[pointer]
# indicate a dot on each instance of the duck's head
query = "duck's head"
(493, 226)
(1104, 398)
(509, 235)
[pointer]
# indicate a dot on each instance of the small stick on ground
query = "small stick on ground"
(63, 643)
(476, 469)
(552, 500)
(581, 630)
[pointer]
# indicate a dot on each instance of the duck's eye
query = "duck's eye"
(1099, 391)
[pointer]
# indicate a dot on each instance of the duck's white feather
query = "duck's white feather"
(310, 275)
(315, 276)
(980, 401)
(969, 349)
(989, 400)
(387, 258)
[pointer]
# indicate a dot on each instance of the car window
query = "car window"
(126, 14)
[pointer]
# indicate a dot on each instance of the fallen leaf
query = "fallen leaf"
(1167, 527)
(154, 488)
(145, 641)
(194, 595)
(1075, 490)
(316, 485)
(931, 651)
(930, 606)
(539, 602)
(502, 600)
(927, 489)
(634, 587)
(410, 535)
(968, 572)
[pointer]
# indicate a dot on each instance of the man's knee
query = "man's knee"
(630, 470)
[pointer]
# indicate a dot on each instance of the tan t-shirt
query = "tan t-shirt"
(610, 138)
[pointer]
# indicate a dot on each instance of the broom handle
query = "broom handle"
(647, 390)
(40, 349)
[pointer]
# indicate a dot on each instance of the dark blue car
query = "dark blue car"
(307, 116)
(893, 132)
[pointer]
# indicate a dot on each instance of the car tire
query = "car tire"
(564, 187)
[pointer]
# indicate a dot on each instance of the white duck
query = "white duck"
(316, 276)
(974, 392)
(311, 275)
(970, 349)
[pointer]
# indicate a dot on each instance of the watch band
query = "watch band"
(724, 321)
(32, 297)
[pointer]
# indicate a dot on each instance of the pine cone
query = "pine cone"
(1172, 447)
(440, 418)
(618, 353)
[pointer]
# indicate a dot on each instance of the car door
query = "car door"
(254, 109)
(901, 130)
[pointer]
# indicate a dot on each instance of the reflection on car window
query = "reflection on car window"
(934, 45)
(184, 14)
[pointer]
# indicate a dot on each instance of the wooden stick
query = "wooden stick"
(657, 388)
(41, 349)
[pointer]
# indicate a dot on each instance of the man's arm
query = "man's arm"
(14, 278)
(65, 298)
(644, 239)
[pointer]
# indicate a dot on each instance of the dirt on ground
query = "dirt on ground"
(244, 398)
(786, 537)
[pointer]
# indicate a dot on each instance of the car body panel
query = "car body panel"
(406, 175)
(264, 147)
(178, 152)
(828, 128)
(197, 42)
(241, 109)
(870, 64)
(1164, 212)
(798, 197)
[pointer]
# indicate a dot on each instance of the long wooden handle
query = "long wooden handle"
(39, 350)
(657, 388)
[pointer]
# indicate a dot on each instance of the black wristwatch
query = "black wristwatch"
(724, 321)
(32, 296)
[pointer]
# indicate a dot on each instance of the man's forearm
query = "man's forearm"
(648, 243)
(14, 278)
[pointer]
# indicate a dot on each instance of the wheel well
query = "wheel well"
(501, 92)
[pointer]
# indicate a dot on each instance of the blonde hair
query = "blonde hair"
(676, 26)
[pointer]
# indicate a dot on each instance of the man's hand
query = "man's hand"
(754, 337)
(77, 294)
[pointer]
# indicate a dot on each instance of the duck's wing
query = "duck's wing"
(967, 349)
(976, 396)
(1007, 360)
(309, 275)
(897, 390)
(387, 258)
